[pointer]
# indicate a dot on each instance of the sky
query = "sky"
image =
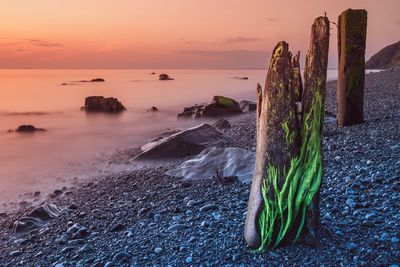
(175, 33)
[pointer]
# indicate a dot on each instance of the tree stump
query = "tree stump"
(283, 204)
(352, 32)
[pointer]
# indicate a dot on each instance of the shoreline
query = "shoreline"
(361, 165)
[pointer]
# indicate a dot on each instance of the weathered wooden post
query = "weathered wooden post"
(283, 204)
(352, 32)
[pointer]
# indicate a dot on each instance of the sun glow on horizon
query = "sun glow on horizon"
(180, 34)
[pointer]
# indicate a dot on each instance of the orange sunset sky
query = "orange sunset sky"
(173, 33)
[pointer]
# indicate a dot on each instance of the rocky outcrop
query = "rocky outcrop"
(102, 104)
(226, 162)
(185, 143)
(219, 106)
(164, 77)
(37, 218)
(388, 57)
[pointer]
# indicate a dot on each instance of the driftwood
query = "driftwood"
(283, 204)
(352, 31)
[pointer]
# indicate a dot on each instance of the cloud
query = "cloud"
(229, 41)
(272, 19)
(241, 39)
(43, 43)
(25, 42)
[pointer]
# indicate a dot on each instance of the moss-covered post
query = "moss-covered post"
(283, 204)
(352, 32)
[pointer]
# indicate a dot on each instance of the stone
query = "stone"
(189, 260)
(37, 218)
(153, 109)
(208, 207)
(232, 161)
(186, 143)
(248, 106)
(164, 77)
(158, 250)
(218, 107)
(121, 257)
(221, 124)
(28, 129)
(102, 104)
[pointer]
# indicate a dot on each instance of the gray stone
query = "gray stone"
(232, 161)
(185, 143)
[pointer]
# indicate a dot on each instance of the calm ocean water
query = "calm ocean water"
(74, 140)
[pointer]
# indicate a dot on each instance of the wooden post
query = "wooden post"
(352, 32)
(288, 168)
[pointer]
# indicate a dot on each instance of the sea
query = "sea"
(75, 143)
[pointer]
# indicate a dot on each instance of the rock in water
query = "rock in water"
(28, 129)
(96, 80)
(186, 143)
(102, 104)
(232, 161)
(164, 77)
(37, 218)
(247, 106)
(219, 106)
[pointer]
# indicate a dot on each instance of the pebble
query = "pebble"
(121, 257)
(177, 227)
(208, 207)
(189, 260)
(158, 250)
(191, 203)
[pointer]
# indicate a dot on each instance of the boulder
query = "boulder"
(102, 104)
(164, 77)
(221, 124)
(37, 218)
(28, 129)
(232, 161)
(219, 106)
(247, 106)
(185, 143)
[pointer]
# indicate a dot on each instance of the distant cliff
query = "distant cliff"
(385, 58)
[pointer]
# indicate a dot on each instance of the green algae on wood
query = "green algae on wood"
(283, 205)
(352, 31)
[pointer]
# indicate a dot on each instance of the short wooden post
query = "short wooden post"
(283, 204)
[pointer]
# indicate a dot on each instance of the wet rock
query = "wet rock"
(234, 162)
(164, 77)
(186, 143)
(27, 128)
(102, 104)
(153, 109)
(37, 218)
(220, 106)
